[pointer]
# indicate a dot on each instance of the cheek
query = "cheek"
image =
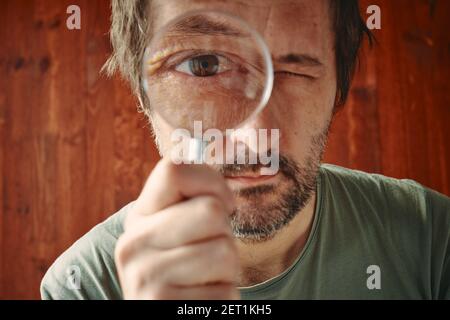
(305, 103)
(305, 109)
(219, 102)
(163, 132)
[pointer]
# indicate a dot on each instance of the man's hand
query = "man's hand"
(177, 242)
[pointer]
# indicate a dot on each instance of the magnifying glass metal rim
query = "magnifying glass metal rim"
(259, 40)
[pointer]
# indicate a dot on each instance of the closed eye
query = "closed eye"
(293, 74)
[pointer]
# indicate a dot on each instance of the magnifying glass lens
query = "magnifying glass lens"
(207, 66)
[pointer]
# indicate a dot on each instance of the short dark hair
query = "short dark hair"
(350, 30)
(128, 39)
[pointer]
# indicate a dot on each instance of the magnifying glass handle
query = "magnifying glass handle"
(197, 150)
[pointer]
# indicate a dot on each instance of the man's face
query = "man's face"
(301, 41)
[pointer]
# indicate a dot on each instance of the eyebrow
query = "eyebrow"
(300, 59)
(202, 25)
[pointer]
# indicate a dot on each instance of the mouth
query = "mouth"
(251, 179)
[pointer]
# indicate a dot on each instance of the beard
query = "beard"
(264, 210)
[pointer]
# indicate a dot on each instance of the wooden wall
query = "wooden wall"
(73, 149)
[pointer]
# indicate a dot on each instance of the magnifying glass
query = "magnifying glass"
(210, 67)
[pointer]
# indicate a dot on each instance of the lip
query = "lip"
(250, 179)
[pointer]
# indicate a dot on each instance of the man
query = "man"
(311, 231)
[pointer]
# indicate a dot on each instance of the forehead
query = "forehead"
(286, 25)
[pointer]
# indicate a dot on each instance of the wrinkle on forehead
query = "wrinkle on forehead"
(299, 26)
(169, 9)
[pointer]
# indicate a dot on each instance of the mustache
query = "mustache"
(287, 166)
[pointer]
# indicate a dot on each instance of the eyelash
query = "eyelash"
(292, 74)
(174, 64)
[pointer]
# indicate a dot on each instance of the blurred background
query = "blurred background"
(74, 149)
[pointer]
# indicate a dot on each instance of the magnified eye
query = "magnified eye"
(204, 65)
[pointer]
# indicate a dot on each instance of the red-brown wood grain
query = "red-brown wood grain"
(74, 149)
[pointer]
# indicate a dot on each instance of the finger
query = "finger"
(204, 262)
(196, 264)
(170, 183)
(194, 220)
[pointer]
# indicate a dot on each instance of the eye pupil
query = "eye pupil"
(204, 66)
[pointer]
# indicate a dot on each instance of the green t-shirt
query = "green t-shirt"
(373, 237)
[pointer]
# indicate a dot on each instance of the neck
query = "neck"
(264, 260)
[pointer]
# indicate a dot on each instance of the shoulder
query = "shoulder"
(404, 217)
(86, 270)
(388, 193)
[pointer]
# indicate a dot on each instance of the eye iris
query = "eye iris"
(204, 66)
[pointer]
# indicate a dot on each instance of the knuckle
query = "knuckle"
(171, 171)
(142, 275)
(130, 246)
(212, 214)
(213, 206)
(121, 251)
(124, 249)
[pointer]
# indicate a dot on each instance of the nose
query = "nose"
(257, 132)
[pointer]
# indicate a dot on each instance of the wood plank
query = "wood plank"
(73, 149)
